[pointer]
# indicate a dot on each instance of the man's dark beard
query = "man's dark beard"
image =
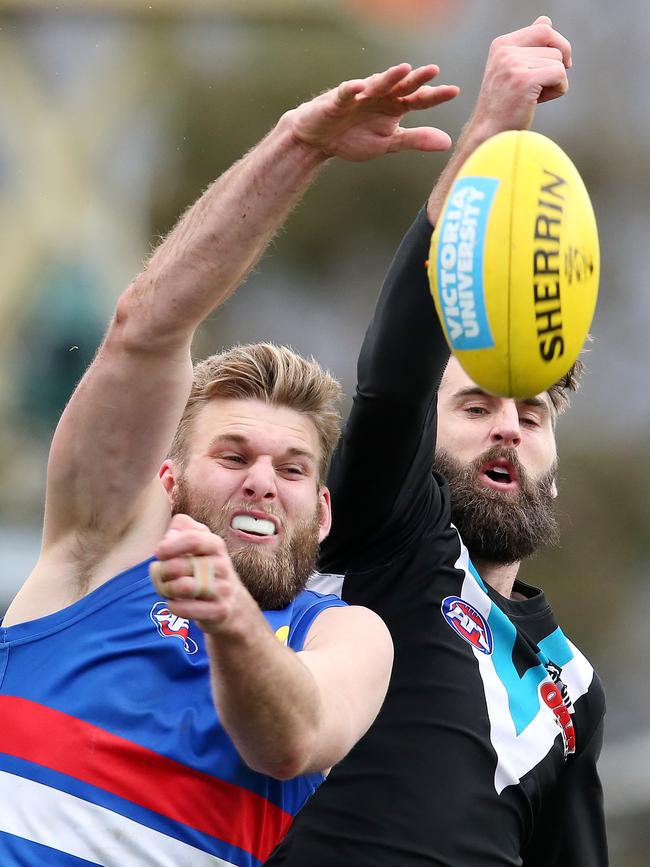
(272, 578)
(499, 527)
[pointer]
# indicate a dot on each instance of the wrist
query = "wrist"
(476, 131)
(239, 625)
(487, 122)
(312, 154)
(235, 644)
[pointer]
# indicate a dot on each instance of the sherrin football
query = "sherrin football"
(515, 263)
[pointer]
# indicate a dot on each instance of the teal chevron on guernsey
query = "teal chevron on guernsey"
(523, 736)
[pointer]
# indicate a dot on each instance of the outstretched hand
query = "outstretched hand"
(523, 69)
(360, 119)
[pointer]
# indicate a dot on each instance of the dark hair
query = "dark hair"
(559, 392)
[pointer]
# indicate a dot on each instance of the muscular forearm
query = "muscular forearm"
(134, 393)
(132, 397)
(476, 131)
(267, 699)
(523, 69)
(287, 712)
(219, 239)
(479, 128)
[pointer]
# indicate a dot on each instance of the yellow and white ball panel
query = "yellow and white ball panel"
(515, 264)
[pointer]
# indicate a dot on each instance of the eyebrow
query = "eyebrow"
(471, 390)
(475, 391)
(535, 402)
(241, 440)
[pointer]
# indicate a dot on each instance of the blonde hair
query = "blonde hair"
(274, 374)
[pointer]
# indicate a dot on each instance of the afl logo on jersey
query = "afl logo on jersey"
(171, 626)
(468, 623)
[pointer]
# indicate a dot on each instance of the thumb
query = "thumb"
(184, 522)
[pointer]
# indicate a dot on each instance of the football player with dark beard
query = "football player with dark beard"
(484, 753)
(497, 528)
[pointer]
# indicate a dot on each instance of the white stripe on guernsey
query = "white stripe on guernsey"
(577, 673)
(325, 582)
(517, 754)
(69, 824)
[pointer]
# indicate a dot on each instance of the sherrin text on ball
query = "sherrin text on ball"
(515, 264)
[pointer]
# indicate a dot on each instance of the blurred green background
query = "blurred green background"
(115, 115)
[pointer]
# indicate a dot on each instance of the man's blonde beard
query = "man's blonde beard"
(273, 578)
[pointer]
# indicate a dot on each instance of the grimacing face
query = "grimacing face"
(500, 460)
(251, 476)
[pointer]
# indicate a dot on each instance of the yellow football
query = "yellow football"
(515, 263)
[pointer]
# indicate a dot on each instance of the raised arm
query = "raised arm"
(379, 470)
(119, 423)
(389, 436)
(287, 713)
(523, 69)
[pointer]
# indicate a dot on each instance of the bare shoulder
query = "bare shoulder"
(76, 565)
(349, 625)
(349, 652)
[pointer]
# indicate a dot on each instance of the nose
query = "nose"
(259, 483)
(506, 430)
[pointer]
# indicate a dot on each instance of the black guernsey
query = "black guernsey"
(484, 753)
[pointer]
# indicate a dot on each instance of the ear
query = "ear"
(553, 489)
(167, 475)
(325, 506)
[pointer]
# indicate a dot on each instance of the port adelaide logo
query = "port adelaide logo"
(468, 623)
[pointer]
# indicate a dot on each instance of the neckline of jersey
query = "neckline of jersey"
(118, 585)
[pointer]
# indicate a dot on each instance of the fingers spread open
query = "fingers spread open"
(428, 97)
(421, 138)
(382, 83)
(415, 78)
(347, 90)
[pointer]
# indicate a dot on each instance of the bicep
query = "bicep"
(349, 653)
(114, 434)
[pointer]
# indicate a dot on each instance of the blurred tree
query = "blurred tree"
(221, 108)
(58, 341)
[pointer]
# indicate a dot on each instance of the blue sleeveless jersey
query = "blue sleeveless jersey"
(111, 751)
